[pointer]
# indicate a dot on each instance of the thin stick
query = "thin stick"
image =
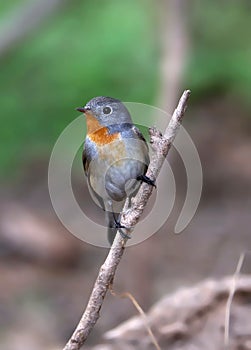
(230, 299)
(140, 311)
(129, 218)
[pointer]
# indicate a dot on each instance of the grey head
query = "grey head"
(107, 110)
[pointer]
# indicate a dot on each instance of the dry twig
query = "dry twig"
(231, 297)
(129, 218)
(140, 311)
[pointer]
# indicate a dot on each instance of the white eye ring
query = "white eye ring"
(107, 110)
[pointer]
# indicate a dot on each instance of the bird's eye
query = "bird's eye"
(107, 110)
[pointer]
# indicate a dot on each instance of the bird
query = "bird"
(115, 158)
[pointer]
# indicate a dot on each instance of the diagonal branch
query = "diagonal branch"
(129, 218)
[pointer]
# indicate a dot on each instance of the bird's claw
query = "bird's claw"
(147, 180)
(118, 224)
(122, 233)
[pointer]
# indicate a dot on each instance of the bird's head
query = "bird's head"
(105, 111)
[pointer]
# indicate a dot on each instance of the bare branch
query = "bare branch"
(161, 144)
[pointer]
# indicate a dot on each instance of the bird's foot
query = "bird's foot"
(147, 180)
(120, 227)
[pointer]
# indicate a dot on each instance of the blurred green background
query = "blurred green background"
(85, 49)
(56, 55)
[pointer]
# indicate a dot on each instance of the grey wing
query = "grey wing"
(89, 153)
(85, 160)
(140, 136)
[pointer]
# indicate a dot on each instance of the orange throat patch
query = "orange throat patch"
(97, 132)
(102, 137)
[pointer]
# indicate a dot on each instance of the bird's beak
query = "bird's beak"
(82, 109)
